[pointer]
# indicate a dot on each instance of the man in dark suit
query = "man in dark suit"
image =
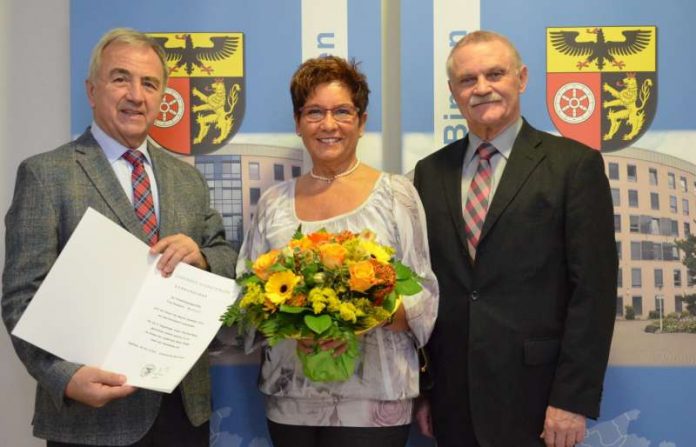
(522, 243)
(81, 404)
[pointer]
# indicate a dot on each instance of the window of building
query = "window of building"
(678, 304)
(670, 252)
(618, 249)
(619, 306)
(631, 174)
(673, 204)
(682, 183)
(650, 251)
(613, 171)
(676, 275)
(638, 304)
(635, 251)
(296, 171)
(278, 172)
(653, 176)
(254, 171)
(689, 279)
(671, 180)
(616, 196)
(207, 169)
(254, 195)
(654, 201)
(619, 278)
(617, 223)
(633, 198)
(687, 229)
(674, 227)
(685, 207)
(658, 278)
(634, 224)
(636, 278)
(231, 169)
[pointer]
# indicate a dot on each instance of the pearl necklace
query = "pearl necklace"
(345, 173)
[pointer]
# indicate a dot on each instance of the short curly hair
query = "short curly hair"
(325, 69)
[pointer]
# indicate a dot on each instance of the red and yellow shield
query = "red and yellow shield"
(601, 83)
(203, 104)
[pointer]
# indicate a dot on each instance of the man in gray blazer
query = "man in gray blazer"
(520, 226)
(81, 404)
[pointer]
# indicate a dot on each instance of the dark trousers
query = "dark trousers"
(309, 436)
(172, 428)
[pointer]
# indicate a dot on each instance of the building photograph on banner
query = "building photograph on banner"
(612, 77)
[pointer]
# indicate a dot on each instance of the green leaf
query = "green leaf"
(402, 272)
(318, 324)
(408, 287)
(389, 302)
(292, 309)
(298, 233)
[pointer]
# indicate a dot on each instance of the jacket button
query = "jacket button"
(474, 295)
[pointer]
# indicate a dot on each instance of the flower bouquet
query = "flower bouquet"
(323, 286)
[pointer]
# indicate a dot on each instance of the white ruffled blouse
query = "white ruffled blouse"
(380, 392)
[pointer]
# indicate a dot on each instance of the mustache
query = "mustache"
(491, 97)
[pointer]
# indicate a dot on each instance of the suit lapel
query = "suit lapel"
(451, 175)
(524, 157)
(91, 158)
(165, 187)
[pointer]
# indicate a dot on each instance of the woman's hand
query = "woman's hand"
(311, 345)
(399, 322)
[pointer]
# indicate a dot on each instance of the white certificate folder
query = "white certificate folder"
(105, 304)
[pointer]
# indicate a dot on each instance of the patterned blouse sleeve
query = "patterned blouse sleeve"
(409, 217)
(255, 243)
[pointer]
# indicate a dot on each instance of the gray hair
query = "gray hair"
(130, 37)
(479, 37)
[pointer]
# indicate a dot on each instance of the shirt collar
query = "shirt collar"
(112, 148)
(503, 142)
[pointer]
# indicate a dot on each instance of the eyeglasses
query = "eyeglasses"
(342, 114)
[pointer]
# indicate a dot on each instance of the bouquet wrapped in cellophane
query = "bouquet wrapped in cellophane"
(323, 286)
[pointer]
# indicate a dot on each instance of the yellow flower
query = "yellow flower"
(362, 276)
(280, 286)
(332, 255)
(302, 244)
(333, 303)
(348, 312)
(253, 295)
(264, 262)
(319, 297)
(379, 252)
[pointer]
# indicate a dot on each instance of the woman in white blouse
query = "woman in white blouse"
(374, 407)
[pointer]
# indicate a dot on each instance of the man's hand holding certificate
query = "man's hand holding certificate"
(105, 304)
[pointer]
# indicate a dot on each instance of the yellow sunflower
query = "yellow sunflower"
(280, 286)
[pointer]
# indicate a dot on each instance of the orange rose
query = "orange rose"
(319, 237)
(332, 255)
(264, 262)
(362, 276)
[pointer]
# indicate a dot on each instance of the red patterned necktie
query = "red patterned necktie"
(477, 199)
(142, 196)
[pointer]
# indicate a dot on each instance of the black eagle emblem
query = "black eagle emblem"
(601, 50)
(190, 56)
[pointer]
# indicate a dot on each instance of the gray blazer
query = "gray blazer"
(52, 192)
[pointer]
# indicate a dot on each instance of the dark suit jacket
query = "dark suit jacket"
(52, 192)
(530, 322)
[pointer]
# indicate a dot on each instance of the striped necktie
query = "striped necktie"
(142, 196)
(476, 204)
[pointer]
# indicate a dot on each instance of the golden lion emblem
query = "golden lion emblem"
(624, 107)
(216, 109)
